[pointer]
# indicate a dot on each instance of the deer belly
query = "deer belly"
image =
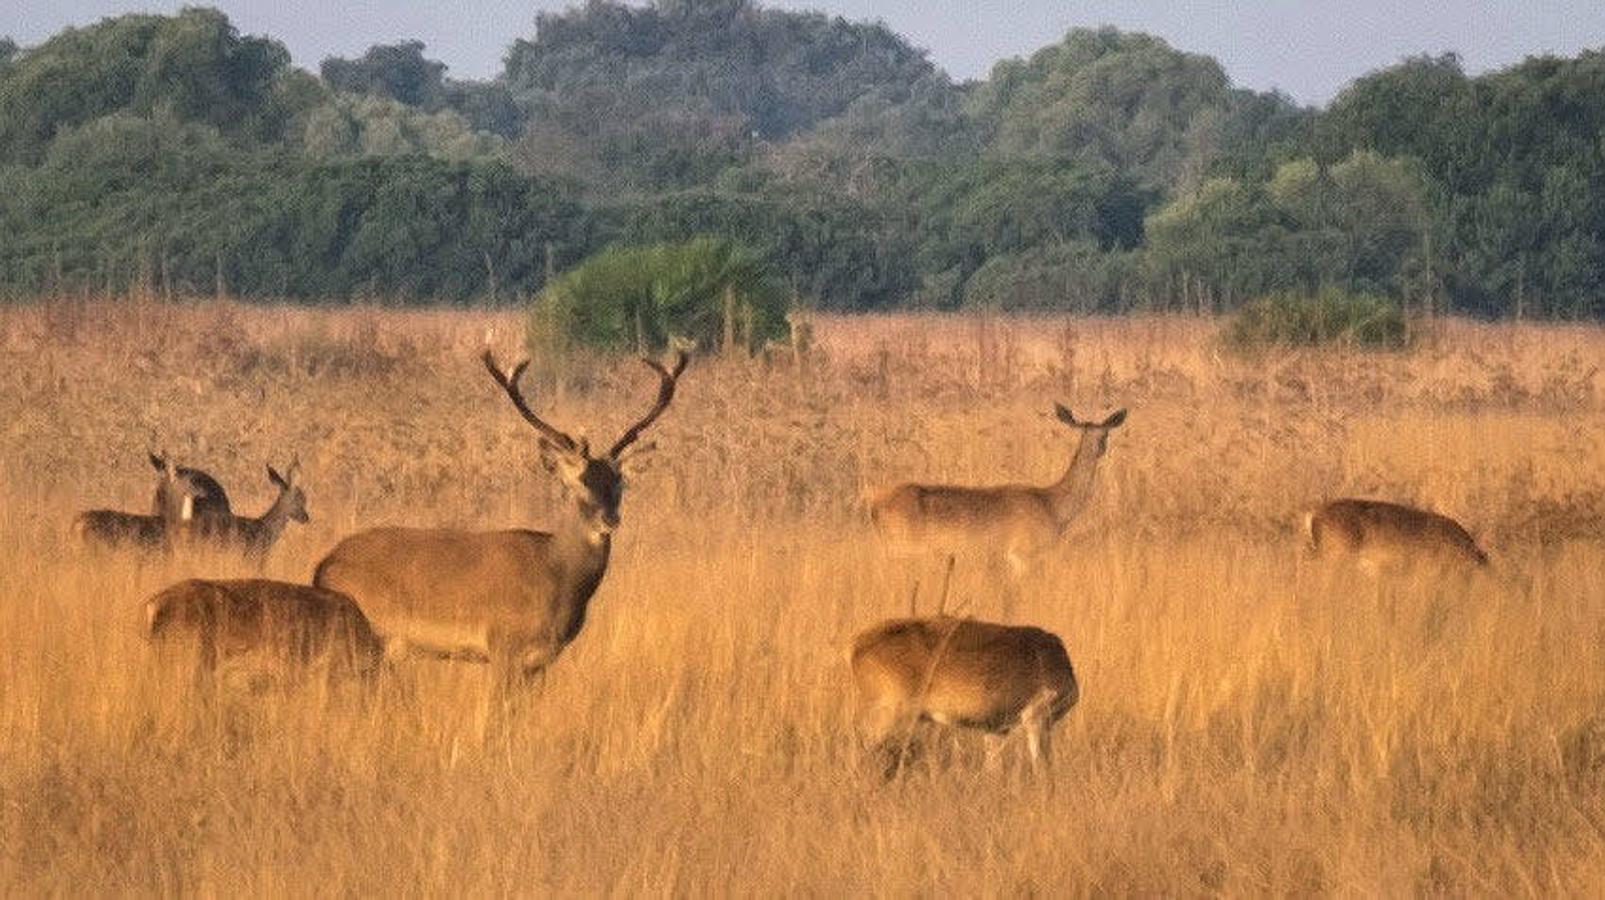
(458, 640)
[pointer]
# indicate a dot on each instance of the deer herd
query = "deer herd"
(514, 599)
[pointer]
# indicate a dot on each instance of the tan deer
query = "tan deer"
(252, 537)
(1015, 520)
(513, 599)
(110, 529)
(290, 626)
(960, 673)
(1388, 537)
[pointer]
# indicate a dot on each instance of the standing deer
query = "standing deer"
(513, 599)
(292, 625)
(110, 529)
(1383, 536)
(207, 496)
(960, 673)
(252, 537)
(1015, 520)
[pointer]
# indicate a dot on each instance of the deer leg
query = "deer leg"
(887, 730)
(1006, 572)
(995, 744)
(1037, 719)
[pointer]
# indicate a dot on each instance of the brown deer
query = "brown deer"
(1381, 536)
(252, 537)
(291, 625)
(207, 496)
(110, 529)
(513, 599)
(1015, 520)
(960, 673)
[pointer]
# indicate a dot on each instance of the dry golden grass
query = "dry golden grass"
(1248, 725)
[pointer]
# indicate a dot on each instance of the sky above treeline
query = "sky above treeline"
(1308, 49)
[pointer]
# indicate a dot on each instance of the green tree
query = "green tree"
(193, 65)
(397, 71)
(640, 297)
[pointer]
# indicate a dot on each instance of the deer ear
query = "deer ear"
(550, 453)
(1115, 419)
(276, 478)
(1064, 414)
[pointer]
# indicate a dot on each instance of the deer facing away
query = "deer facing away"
(515, 598)
(1014, 519)
(110, 529)
(292, 626)
(173, 482)
(960, 673)
(1381, 536)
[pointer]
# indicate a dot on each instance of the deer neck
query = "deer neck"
(1068, 496)
(268, 526)
(581, 554)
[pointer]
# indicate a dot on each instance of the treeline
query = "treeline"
(1108, 172)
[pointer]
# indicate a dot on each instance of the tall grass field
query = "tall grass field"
(1250, 722)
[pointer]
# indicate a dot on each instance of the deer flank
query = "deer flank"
(290, 626)
(1381, 536)
(960, 673)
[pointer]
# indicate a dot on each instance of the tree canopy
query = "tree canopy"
(1108, 171)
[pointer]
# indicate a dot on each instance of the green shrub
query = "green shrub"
(1330, 316)
(640, 297)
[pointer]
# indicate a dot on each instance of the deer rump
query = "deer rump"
(291, 625)
(963, 672)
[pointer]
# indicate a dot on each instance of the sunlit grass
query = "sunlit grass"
(1249, 723)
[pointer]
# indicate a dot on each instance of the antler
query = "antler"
(666, 382)
(509, 383)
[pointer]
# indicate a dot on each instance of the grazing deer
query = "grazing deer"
(1014, 519)
(292, 624)
(513, 599)
(110, 529)
(252, 537)
(1382, 536)
(174, 481)
(960, 673)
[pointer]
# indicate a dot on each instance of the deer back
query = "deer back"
(962, 671)
(1392, 530)
(293, 624)
(110, 529)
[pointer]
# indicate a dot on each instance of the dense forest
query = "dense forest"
(1108, 172)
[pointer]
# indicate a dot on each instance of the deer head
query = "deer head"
(595, 483)
(290, 493)
(1095, 433)
(175, 495)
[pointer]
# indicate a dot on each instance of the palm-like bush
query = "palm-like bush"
(706, 290)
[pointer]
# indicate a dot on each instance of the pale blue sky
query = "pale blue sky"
(1308, 48)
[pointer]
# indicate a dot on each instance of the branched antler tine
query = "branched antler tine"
(509, 383)
(667, 378)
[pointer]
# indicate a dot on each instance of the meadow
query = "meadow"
(1249, 723)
